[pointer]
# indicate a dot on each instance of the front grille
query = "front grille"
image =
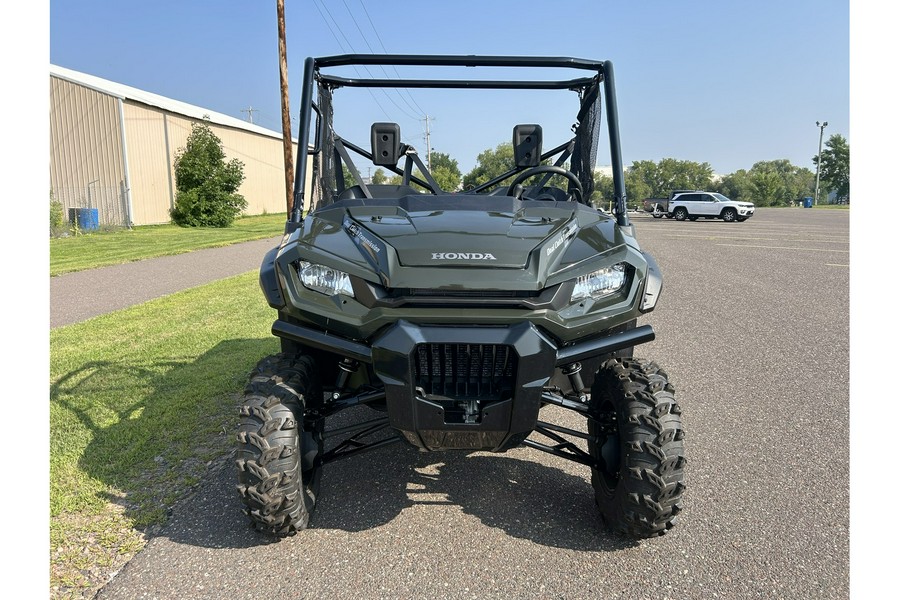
(437, 293)
(485, 371)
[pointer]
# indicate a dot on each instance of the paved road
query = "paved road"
(79, 296)
(753, 330)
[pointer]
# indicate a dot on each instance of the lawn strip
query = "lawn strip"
(142, 402)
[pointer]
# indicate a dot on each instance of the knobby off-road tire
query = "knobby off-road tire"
(636, 438)
(279, 449)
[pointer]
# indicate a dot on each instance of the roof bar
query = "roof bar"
(457, 84)
(459, 61)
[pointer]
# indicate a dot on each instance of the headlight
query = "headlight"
(600, 283)
(325, 280)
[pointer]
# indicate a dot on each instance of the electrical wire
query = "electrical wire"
(334, 35)
(353, 50)
(384, 48)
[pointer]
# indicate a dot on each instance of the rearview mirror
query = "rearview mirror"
(385, 144)
(527, 140)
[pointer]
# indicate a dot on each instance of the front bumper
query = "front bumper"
(466, 387)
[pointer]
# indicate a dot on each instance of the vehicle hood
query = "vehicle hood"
(464, 235)
(400, 238)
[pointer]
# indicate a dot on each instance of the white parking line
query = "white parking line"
(767, 239)
(783, 248)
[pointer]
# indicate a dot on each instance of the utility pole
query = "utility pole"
(819, 159)
(286, 116)
(249, 112)
(427, 119)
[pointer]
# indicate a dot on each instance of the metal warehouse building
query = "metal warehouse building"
(112, 148)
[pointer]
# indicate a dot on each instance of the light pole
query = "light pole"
(821, 127)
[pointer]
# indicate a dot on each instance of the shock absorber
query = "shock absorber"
(573, 372)
(347, 367)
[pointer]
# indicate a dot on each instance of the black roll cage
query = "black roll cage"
(601, 71)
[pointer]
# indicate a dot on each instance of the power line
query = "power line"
(334, 35)
(353, 50)
(371, 50)
(384, 48)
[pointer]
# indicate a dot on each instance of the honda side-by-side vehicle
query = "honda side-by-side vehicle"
(458, 316)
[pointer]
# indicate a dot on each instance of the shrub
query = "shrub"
(206, 185)
(57, 216)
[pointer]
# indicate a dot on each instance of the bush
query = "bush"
(206, 185)
(57, 216)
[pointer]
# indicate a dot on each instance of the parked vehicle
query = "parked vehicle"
(708, 205)
(659, 207)
(459, 317)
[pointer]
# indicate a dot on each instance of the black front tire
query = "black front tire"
(636, 438)
(729, 215)
(680, 214)
(279, 446)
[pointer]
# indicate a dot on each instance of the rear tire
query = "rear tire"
(636, 439)
(680, 214)
(280, 448)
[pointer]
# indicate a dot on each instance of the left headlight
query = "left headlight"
(600, 284)
(325, 280)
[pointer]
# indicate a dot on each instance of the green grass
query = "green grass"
(104, 248)
(833, 206)
(141, 401)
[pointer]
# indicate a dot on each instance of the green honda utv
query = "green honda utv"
(457, 316)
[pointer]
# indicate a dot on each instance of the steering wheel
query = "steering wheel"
(578, 189)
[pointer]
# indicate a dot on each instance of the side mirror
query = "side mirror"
(527, 140)
(385, 144)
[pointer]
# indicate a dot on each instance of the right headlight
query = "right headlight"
(325, 280)
(601, 283)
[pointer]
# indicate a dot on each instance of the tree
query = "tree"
(835, 167)
(768, 189)
(206, 185)
(647, 179)
(496, 162)
(379, 177)
(737, 186)
(768, 183)
(490, 164)
(445, 171)
(604, 191)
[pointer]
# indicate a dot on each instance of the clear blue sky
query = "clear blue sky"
(729, 83)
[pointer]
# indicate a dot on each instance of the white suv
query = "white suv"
(709, 205)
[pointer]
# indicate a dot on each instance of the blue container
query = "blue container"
(807, 202)
(87, 218)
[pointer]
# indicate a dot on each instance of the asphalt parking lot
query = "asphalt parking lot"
(753, 329)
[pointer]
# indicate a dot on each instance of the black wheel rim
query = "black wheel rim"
(609, 453)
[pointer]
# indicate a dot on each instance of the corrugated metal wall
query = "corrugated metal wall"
(86, 166)
(148, 164)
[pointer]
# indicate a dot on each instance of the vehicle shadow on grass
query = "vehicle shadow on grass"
(155, 436)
